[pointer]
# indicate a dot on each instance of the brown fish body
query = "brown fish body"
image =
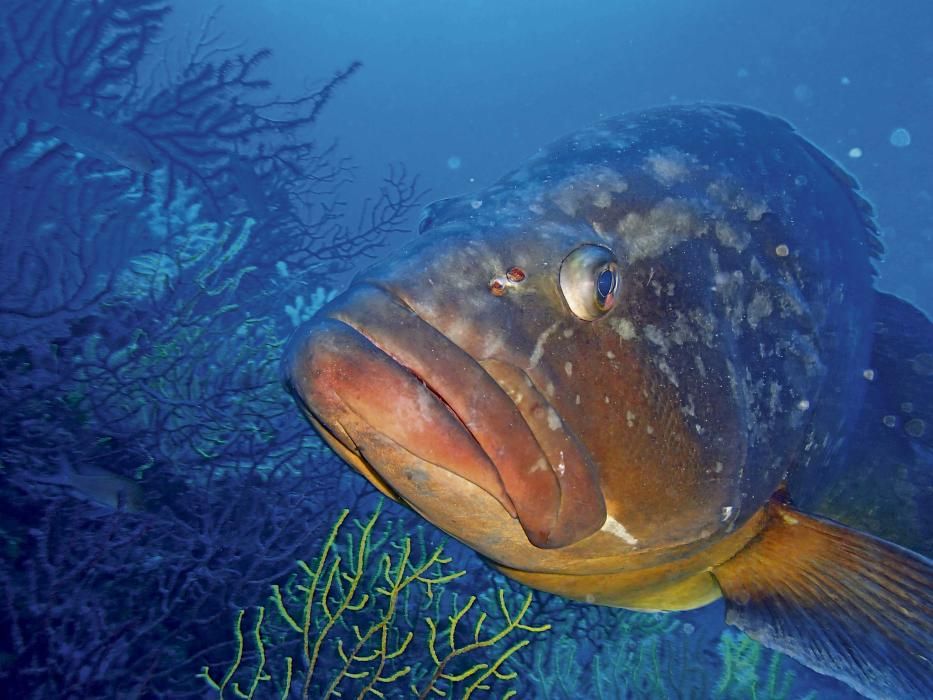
(597, 371)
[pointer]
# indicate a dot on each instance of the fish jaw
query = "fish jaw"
(397, 399)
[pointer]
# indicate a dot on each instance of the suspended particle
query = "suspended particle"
(900, 138)
(782, 251)
(855, 152)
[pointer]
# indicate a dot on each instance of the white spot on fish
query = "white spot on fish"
(759, 308)
(726, 512)
(538, 351)
(611, 355)
(650, 430)
(718, 467)
(614, 527)
(538, 466)
(568, 368)
(577, 400)
(561, 467)
(568, 332)
(624, 327)
(630, 418)
(553, 420)
(668, 168)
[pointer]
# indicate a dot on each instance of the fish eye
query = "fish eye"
(589, 281)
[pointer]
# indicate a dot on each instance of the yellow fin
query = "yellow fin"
(840, 601)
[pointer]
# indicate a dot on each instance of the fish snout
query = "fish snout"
(385, 388)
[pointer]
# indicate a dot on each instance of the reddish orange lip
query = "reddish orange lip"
(369, 365)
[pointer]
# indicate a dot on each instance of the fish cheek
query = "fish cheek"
(654, 470)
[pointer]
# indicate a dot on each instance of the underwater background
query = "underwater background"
(182, 185)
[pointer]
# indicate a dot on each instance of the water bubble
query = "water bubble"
(889, 420)
(900, 138)
(803, 92)
(782, 251)
(869, 374)
(476, 203)
(915, 428)
(800, 180)
(454, 162)
(688, 628)
(855, 152)
(844, 80)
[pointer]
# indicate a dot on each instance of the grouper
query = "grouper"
(650, 369)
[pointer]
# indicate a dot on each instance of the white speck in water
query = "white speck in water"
(855, 152)
(476, 203)
(869, 374)
(803, 93)
(454, 162)
(900, 138)
(782, 251)
(803, 404)
(844, 80)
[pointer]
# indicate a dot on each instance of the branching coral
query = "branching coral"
(156, 217)
(338, 628)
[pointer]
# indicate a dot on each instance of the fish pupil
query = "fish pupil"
(604, 284)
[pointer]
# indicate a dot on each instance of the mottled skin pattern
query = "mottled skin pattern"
(615, 460)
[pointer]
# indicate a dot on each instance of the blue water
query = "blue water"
(167, 221)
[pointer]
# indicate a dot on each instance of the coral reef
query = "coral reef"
(350, 623)
(153, 474)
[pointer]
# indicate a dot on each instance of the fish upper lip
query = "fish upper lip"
(527, 484)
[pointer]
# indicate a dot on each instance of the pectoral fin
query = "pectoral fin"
(842, 602)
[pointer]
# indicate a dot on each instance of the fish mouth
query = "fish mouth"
(374, 378)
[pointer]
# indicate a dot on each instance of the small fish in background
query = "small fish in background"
(649, 369)
(92, 135)
(95, 485)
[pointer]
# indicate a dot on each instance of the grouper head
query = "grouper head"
(518, 373)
